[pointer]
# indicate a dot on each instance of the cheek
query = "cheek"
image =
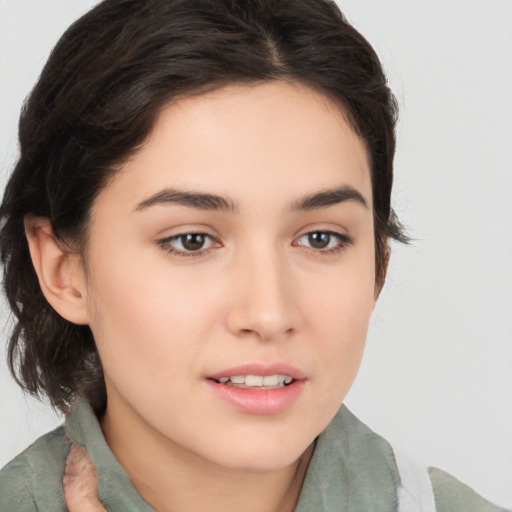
(342, 329)
(344, 298)
(340, 316)
(146, 323)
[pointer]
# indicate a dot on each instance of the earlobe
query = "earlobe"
(60, 274)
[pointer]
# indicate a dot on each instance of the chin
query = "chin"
(262, 464)
(261, 455)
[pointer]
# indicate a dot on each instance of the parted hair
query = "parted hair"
(95, 104)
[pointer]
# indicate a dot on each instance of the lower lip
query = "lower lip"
(259, 401)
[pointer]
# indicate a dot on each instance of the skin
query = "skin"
(80, 482)
(257, 291)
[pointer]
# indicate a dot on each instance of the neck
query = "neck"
(171, 479)
(182, 487)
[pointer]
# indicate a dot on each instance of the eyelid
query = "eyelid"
(344, 240)
(166, 243)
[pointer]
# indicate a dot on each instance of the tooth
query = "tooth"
(270, 380)
(253, 380)
(257, 380)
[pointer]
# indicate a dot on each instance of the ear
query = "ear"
(61, 276)
(382, 269)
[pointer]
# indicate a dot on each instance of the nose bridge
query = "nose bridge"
(264, 304)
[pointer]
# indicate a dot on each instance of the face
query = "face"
(232, 254)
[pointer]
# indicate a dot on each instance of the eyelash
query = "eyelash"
(166, 243)
(343, 241)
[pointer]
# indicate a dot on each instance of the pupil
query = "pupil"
(319, 240)
(193, 242)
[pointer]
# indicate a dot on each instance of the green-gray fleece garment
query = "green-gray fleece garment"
(352, 470)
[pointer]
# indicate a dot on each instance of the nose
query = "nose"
(264, 303)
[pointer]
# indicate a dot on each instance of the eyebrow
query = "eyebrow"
(212, 202)
(190, 199)
(328, 198)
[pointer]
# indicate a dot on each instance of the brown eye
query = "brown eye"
(319, 239)
(188, 244)
(193, 241)
(325, 242)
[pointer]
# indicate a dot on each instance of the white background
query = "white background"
(437, 376)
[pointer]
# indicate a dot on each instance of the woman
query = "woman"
(194, 239)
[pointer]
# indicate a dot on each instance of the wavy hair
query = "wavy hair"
(96, 102)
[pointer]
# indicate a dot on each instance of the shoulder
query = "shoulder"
(32, 480)
(354, 459)
(451, 495)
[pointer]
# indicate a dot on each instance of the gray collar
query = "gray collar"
(352, 470)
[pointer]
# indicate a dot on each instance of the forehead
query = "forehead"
(277, 139)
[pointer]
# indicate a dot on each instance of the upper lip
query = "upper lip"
(260, 369)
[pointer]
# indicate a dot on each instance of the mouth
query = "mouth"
(275, 381)
(258, 389)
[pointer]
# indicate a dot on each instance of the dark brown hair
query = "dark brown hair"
(96, 102)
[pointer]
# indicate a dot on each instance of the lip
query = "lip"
(259, 401)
